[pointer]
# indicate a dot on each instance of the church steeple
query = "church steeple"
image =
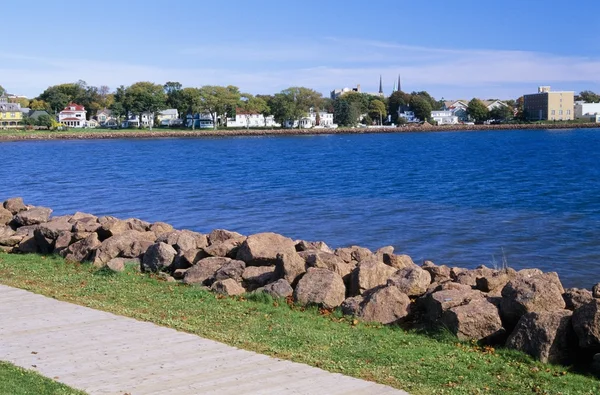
(380, 86)
(399, 83)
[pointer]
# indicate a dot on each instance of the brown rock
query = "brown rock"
(28, 245)
(157, 257)
(86, 224)
(83, 250)
(225, 248)
(385, 305)
(160, 228)
(14, 205)
(547, 336)
(477, 320)
(586, 323)
(261, 249)
(398, 261)
(313, 245)
(9, 237)
(204, 271)
(79, 216)
(469, 277)
(5, 216)
(354, 254)
(221, 235)
(279, 289)
(526, 273)
(596, 291)
(258, 276)
(495, 280)
(187, 259)
(439, 274)
(321, 287)
(413, 281)
(131, 244)
(63, 240)
(33, 216)
(370, 274)
(290, 267)
(436, 303)
(529, 295)
(326, 260)
(575, 298)
(228, 287)
(232, 269)
(351, 305)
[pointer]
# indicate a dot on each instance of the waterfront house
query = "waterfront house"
(103, 116)
(200, 121)
(73, 116)
(169, 117)
(10, 113)
(408, 116)
(312, 119)
(444, 117)
(245, 119)
(133, 120)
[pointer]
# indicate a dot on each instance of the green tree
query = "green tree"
(434, 104)
(377, 110)
(345, 113)
(477, 111)
(293, 103)
(589, 97)
(58, 96)
(421, 107)
(396, 101)
(45, 120)
(39, 105)
(145, 97)
(175, 100)
(2, 90)
(191, 103)
(502, 113)
(252, 105)
(217, 100)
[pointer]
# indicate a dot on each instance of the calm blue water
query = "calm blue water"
(532, 197)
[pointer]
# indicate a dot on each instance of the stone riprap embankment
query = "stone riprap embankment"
(527, 310)
(165, 133)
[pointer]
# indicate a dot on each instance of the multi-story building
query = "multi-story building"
(73, 116)
(589, 111)
(446, 117)
(245, 119)
(10, 113)
(549, 106)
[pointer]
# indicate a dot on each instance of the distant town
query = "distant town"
(147, 105)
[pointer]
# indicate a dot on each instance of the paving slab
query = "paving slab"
(102, 353)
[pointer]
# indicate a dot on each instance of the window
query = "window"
(568, 112)
(553, 112)
(560, 112)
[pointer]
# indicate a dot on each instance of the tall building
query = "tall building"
(549, 106)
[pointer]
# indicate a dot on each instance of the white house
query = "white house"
(133, 120)
(589, 111)
(409, 116)
(445, 117)
(73, 116)
(169, 117)
(245, 119)
(312, 119)
(201, 121)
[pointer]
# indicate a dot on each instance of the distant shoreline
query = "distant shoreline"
(91, 134)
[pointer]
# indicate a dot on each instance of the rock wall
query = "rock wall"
(527, 310)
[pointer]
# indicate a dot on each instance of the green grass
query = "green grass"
(17, 381)
(414, 362)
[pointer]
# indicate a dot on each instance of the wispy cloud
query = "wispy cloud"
(324, 65)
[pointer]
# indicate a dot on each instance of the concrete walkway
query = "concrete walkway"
(102, 353)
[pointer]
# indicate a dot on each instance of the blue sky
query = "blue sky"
(451, 49)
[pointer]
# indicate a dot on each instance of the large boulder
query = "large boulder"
(5, 216)
(203, 272)
(369, 274)
(255, 277)
(586, 322)
(529, 295)
(8, 237)
(477, 320)
(398, 261)
(157, 257)
(228, 287)
(290, 267)
(547, 336)
(187, 259)
(438, 274)
(131, 244)
(14, 205)
(436, 303)
(221, 235)
(86, 224)
(83, 250)
(303, 245)
(495, 281)
(225, 248)
(184, 240)
(321, 287)
(326, 260)
(596, 291)
(469, 277)
(160, 228)
(575, 298)
(46, 234)
(413, 281)
(262, 249)
(385, 305)
(33, 216)
(279, 289)
(231, 269)
(354, 254)
(351, 305)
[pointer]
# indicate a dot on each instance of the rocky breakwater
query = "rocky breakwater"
(527, 310)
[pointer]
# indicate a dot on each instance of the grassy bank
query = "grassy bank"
(17, 381)
(416, 363)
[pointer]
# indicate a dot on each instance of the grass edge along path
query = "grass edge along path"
(15, 380)
(413, 362)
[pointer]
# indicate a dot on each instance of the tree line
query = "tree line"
(290, 104)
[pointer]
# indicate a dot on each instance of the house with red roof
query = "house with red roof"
(73, 116)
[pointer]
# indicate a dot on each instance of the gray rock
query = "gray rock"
(436, 303)
(547, 336)
(438, 274)
(86, 224)
(33, 216)
(279, 289)
(157, 257)
(290, 267)
(233, 269)
(596, 291)
(204, 271)
(575, 298)
(83, 250)
(321, 287)
(351, 305)
(477, 320)
(255, 277)
(221, 235)
(225, 248)
(326, 260)
(131, 244)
